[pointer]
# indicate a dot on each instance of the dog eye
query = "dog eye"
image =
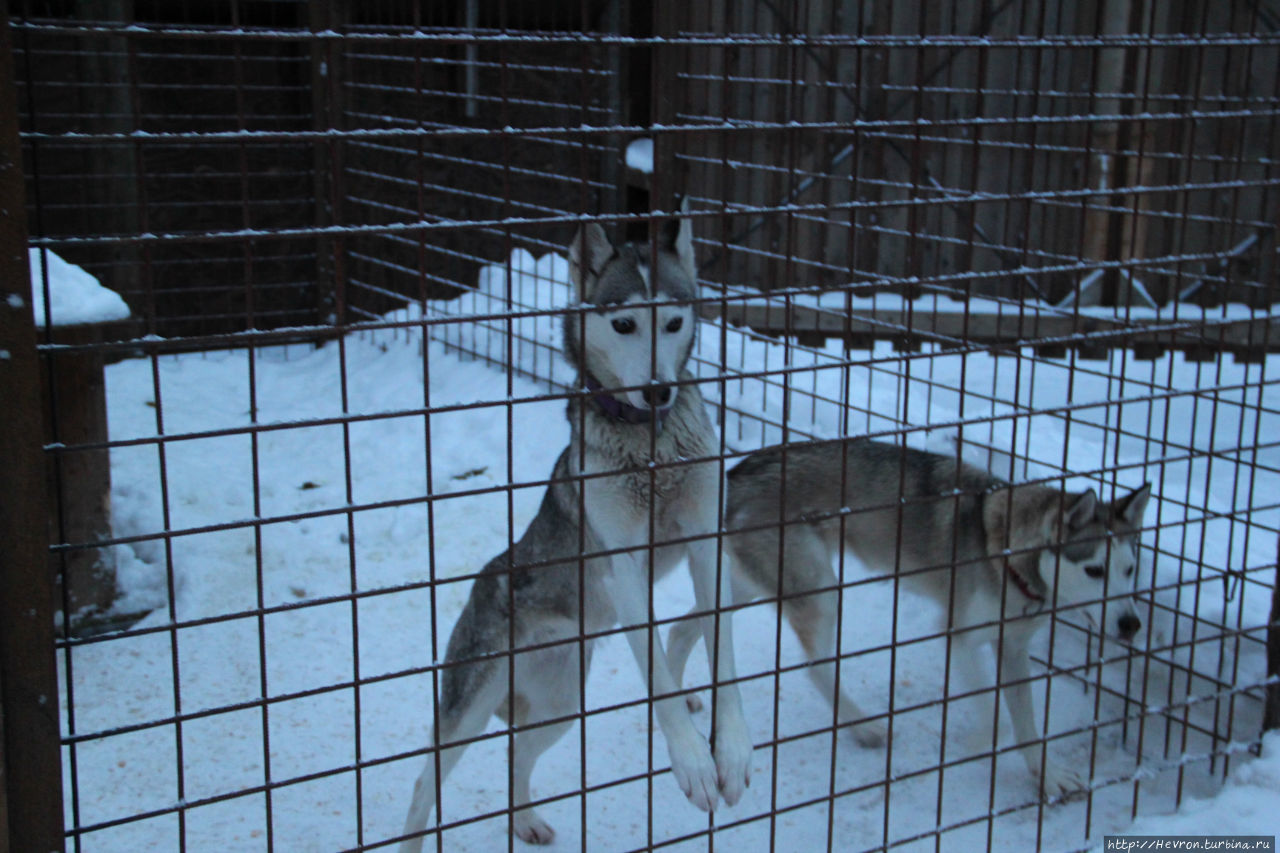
(624, 325)
(1095, 571)
(675, 324)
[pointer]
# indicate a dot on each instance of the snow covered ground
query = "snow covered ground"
(75, 296)
(330, 501)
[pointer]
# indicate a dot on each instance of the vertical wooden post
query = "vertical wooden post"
(31, 771)
(872, 253)
(613, 172)
(106, 105)
(326, 111)
(664, 184)
(1105, 232)
(75, 401)
(638, 67)
(80, 480)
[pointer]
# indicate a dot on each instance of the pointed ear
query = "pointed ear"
(588, 253)
(1133, 506)
(1080, 511)
(999, 509)
(677, 237)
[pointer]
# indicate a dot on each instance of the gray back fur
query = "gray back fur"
(912, 512)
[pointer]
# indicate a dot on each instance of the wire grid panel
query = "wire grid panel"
(901, 219)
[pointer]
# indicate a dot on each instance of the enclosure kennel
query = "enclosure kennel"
(1038, 234)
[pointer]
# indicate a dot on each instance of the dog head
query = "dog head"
(639, 325)
(1072, 549)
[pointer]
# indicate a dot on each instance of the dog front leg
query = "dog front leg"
(1015, 673)
(691, 761)
(732, 740)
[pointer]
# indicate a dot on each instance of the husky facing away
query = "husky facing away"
(967, 539)
(635, 336)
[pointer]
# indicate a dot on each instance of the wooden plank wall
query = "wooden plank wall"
(916, 160)
(503, 169)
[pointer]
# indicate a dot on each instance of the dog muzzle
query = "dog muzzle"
(623, 411)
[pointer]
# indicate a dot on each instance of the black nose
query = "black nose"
(1129, 625)
(658, 396)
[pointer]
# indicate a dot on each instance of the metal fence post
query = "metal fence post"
(32, 770)
(1271, 710)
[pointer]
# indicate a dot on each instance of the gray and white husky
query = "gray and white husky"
(997, 558)
(623, 487)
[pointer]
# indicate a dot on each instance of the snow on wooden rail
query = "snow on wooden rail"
(861, 320)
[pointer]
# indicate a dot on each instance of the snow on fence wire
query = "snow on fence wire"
(1039, 235)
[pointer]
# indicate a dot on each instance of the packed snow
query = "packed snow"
(640, 155)
(283, 521)
(1246, 805)
(75, 296)
(890, 302)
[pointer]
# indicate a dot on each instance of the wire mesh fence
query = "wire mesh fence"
(1035, 237)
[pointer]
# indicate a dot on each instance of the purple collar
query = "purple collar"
(618, 410)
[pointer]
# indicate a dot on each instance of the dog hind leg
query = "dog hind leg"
(470, 694)
(527, 746)
(549, 689)
(806, 566)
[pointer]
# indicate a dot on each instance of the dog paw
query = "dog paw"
(733, 766)
(871, 734)
(733, 785)
(1060, 783)
(696, 774)
(532, 829)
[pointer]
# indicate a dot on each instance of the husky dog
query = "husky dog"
(997, 557)
(619, 491)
